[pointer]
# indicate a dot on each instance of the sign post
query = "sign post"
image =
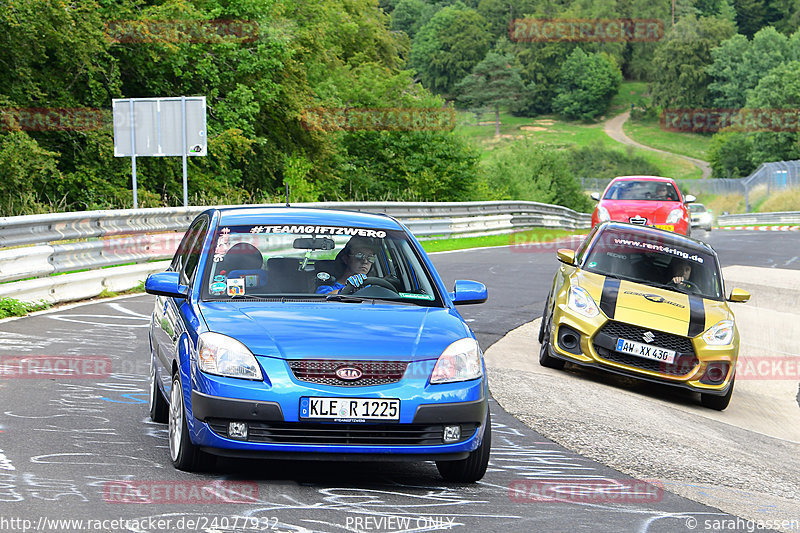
(160, 127)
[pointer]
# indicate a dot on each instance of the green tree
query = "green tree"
(449, 46)
(679, 64)
(527, 171)
(494, 82)
(729, 154)
(586, 85)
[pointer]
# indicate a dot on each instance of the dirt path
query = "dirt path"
(613, 128)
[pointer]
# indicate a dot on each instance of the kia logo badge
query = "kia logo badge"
(348, 373)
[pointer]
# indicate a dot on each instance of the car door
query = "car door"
(169, 321)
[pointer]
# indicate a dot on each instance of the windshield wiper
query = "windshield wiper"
(358, 299)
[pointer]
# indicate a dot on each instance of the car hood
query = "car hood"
(653, 210)
(652, 307)
(293, 330)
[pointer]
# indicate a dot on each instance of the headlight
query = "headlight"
(675, 215)
(580, 302)
(461, 361)
(224, 356)
(602, 214)
(720, 333)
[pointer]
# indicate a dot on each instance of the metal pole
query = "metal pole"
(185, 179)
(133, 157)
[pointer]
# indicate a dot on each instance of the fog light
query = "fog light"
(452, 433)
(715, 373)
(237, 430)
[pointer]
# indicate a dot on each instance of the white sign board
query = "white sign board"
(155, 126)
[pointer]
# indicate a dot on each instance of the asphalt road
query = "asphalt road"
(66, 443)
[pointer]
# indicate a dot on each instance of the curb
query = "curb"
(759, 228)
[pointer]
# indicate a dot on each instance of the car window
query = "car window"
(193, 250)
(654, 260)
(697, 208)
(296, 260)
(185, 246)
(642, 190)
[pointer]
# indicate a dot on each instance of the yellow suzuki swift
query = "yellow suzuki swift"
(644, 303)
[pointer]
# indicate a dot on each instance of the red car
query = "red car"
(644, 200)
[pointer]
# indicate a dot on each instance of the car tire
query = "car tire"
(718, 403)
(545, 359)
(183, 453)
(472, 468)
(159, 408)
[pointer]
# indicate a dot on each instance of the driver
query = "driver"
(681, 272)
(353, 264)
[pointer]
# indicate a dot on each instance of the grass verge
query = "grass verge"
(505, 239)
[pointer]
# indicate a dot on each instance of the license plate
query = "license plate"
(350, 408)
(645, 350)
(668, 227)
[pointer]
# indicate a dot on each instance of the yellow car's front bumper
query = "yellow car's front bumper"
(590, 342)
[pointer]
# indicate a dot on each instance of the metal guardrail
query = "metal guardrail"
(32, 246)
(755, 219)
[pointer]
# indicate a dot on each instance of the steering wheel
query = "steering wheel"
(688, 285)
(380, 282)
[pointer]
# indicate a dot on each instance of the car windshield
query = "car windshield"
(697, 208)
(303, 261)
(641, 190)
(655, 260)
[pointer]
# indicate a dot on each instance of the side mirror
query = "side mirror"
(739, 295)
(565, 255)
(468, 292)
(689, 199)
(166, 284)
(595, 196)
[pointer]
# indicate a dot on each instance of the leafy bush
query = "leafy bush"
(597, 161)
(586, 85)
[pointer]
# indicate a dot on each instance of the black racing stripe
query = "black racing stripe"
(608, 300)
(697, 315)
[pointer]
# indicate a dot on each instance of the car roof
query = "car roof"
(644, 178)
(674, 238)
(243, 215)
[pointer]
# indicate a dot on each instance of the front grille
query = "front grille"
(685, 359)
(668, 341)
(345, 434)
(323, 371)
(641, 221)
(683, 365)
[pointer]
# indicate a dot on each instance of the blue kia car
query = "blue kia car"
(282, 332)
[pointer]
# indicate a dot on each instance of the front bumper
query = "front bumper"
(271, 410)
(591, 343)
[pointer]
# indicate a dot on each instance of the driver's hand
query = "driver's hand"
(356, 280)
(677, 280)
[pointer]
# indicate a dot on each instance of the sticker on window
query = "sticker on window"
(416, 296)
(235, 286)
(217, 287)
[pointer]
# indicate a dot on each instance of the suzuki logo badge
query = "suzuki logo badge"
(648, 337)
(348, 373)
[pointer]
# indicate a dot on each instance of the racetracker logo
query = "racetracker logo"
(533, 30)
(585, 490)
(768, 368)
(745, 120)
(54, 119)
(384, 119)
(181, 31)
(529, 242)
(180, 492)
(54, 366)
